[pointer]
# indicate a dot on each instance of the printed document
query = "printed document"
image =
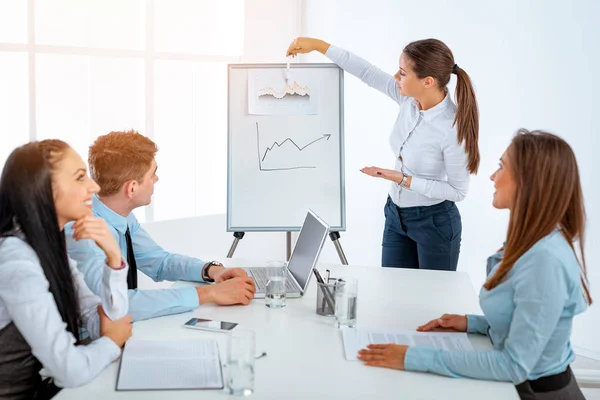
(356, 339)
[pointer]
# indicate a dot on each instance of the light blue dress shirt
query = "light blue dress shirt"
(26, 301)
(151, 259)
(528, 318)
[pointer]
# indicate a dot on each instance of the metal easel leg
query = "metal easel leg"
(236, 238)
(335, 238)
(288, 245)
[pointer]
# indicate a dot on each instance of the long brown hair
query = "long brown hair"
(27, 205)
(431, 57)
(548, 195)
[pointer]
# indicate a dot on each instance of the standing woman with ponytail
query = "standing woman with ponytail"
(435, 144)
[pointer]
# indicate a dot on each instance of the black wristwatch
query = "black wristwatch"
(207, 266)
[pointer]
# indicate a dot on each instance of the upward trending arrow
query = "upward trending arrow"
(325, 136)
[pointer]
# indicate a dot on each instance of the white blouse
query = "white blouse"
(424, 143)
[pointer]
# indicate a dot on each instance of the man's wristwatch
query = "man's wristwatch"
(207, 266)
(404, 181)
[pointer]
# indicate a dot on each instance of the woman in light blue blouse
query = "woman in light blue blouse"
(535, 285)
(43, 297)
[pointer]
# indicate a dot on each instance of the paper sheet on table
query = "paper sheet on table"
(356, 339)
(170, 364)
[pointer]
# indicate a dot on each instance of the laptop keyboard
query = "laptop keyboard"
(260, 279)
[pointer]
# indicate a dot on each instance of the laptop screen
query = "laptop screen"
(307, 248)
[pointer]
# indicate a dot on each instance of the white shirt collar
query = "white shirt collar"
(430, 114)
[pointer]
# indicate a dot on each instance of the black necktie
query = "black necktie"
(132, 273)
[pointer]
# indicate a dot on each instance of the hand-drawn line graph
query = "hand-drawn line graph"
(277, 145)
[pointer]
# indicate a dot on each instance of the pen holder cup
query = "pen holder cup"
(326, 299)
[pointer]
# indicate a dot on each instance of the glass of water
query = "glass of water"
(240, 362)
(276, 273)
(346, 293)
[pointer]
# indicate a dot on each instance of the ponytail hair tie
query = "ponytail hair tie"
(455, 69)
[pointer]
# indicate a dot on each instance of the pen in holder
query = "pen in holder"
(326, 297)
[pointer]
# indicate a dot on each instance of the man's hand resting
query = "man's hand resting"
(223, 274)
(235, 290)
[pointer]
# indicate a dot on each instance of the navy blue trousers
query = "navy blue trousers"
(426, 237)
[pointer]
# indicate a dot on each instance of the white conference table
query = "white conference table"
(305, 355)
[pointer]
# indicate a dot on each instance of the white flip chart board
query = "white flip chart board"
(285, 146)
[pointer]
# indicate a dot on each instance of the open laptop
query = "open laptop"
(304, 257)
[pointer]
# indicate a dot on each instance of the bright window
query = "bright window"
(156, 66)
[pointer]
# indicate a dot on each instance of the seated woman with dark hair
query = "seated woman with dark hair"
(43, 298)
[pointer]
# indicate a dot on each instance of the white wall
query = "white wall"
(534, 65)
(269, 27)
